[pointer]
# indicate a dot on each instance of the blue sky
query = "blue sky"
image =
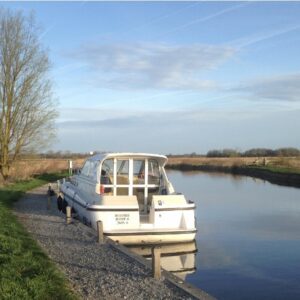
(173, 77)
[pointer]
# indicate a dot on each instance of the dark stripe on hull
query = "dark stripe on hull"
(112, 209)
(171, 253)
(149, 233)
(184, 270)
(175, 208)
(72, 199)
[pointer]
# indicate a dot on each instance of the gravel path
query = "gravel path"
(95, 271)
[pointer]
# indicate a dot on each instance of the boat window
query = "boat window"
(123, 171)
(139, 177)
(93, 170)
(86, 168)
(153, 172)
(122, 191)
(107, 172)
(138, 171)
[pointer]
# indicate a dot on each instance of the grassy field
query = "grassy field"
(25, 271)
(27, 168)
(273, 164)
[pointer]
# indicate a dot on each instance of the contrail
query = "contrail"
(209, 17)
(46, 31)
(248, 41)
(155, 20)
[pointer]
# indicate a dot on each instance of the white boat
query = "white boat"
(132, 196)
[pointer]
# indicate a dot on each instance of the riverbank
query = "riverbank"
(25, 271)
(278, 170)
(106, 271)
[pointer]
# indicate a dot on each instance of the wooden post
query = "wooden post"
(156, 272)
(70, 165)
(100, 232)
(68, 214)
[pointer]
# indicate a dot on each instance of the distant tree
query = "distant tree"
(27, 110)
(193, 154)
(230, 153)
(259, 152)
(214, 153)
(223, 153)
(287, 152)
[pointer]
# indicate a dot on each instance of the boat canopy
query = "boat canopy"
(103, 156)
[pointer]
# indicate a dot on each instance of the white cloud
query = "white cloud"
(281, 88)
(153, 66)
(181, 132)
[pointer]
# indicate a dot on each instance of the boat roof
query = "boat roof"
(102, 156)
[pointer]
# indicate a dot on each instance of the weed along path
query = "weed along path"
(26, 272)
(96, 271)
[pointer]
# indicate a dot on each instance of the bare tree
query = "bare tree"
(27, 109)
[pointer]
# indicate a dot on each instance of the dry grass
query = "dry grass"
(25, 169)
(282, 162)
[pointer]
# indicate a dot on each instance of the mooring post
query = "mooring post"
(68, 214)
(70, 164)
(156, 272)
(100, 232)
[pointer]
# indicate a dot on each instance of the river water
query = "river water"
(248, 236)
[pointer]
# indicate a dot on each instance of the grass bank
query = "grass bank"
(25, 271)
(283, 171)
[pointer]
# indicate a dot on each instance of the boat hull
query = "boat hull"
(157, 237)
(124, 225)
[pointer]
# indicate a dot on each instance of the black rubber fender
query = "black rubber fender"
(59, 203)
(64, 206)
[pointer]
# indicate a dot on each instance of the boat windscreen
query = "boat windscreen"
(107, 172)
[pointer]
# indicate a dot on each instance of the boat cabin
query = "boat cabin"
(140, 175)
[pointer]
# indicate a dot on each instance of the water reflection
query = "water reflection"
(179, 259)
(212, 174)
(248, 235)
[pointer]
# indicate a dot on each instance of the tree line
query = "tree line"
(254, 152)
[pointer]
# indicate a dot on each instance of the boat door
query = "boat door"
(145, 181)
(132, 176)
